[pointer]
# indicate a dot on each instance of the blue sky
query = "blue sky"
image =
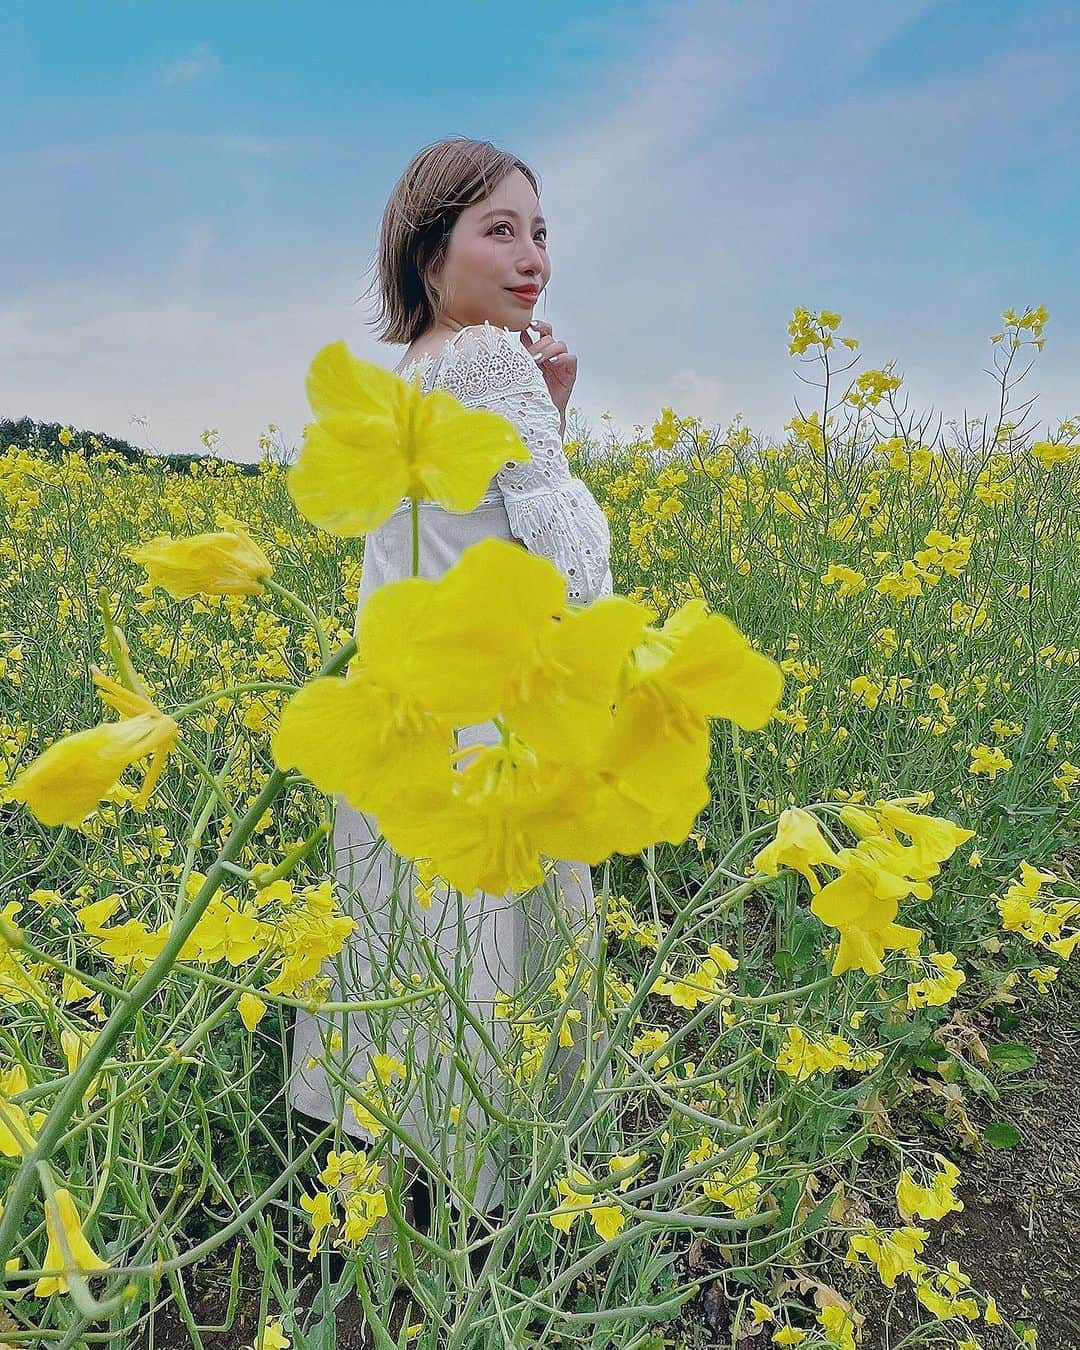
(193, 196)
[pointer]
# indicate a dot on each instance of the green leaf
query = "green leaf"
(1001, 1134)
(929, 1057)
(905, 1033)
(1013, 1056)
(784, 961)
(978, 1081)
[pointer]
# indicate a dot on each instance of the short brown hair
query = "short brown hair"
(439, 182)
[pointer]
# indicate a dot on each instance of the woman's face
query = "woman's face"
(496, 244)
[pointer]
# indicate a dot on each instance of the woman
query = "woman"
(463, 257)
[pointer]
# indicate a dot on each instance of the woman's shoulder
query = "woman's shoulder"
(467, 342)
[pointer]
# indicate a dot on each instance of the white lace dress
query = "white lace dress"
(485, 945)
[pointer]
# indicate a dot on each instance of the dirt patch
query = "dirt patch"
(223, 1328)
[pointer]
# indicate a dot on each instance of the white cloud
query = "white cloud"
(202, 61)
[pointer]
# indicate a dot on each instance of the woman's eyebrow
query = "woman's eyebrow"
(509, 211)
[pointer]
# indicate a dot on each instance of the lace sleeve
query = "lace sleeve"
(553, 513)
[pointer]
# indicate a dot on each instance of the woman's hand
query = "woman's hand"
(557, 365)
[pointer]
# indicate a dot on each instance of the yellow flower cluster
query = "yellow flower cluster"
(385, 1068)
(703, 984)
(895, 1252)
(356, 1183)
(801, 1058)
(594, 706)
(577, 1193)
(1040, 925)
(305, 932)
(735, 1186)
(938, 988)
(862, 902)
(622, 921)
(933, 1201)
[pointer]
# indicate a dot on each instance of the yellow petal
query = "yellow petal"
(379, 438)
(65, 783)
(221, 563)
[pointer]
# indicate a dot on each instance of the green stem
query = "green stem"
(247, 686)
(320, 633)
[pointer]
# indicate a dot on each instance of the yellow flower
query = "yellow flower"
(68, 1248)
(699, 665)
(17, 1130)
(864, 917)
(799, 844)
(68, 780)
(75, 1045)
(937, 989)
(839, 1326)
(789, 1336)
(893, 1251)
(607, 1220)
(735, 1187)
(933, 1201)
(387, 1067)
(378, 438)
(225, 563)
(619, 1161)
(935, 837)
(251, 1009)
(761, 1312)
(940, 1292)
(322, 1216)
(272, 1337)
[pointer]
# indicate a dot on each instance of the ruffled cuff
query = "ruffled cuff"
(566, 525)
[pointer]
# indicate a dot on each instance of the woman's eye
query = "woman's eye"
(503, 225)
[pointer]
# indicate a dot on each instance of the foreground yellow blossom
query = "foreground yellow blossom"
(68, 780)
(586, 737)
(271, 1337)
(378, 438)
(855, 905)
(799, 844)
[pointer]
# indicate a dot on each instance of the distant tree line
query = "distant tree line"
(43, 439)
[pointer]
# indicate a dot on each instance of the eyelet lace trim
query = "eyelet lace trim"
(551, 511)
